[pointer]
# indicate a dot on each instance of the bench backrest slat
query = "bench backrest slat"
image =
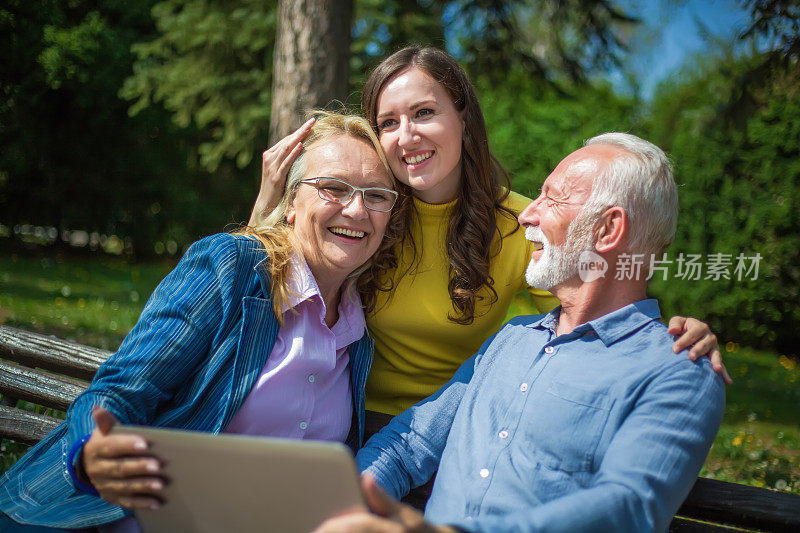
(38, 386)
(24, 426)
(50, 353)
(742, 505)
(683, 525)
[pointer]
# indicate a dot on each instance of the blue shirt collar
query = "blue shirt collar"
(610, 327)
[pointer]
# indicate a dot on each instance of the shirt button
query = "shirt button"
(503, 434)
(549, 349)
(303, 425)
(311, 378)
(484, 472)
(524, 387)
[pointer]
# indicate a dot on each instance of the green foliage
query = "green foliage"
(70, 155)
(739, 179)
(383, 27)
(563, 41)
(211, 66)
(532, 126)
(211, 63)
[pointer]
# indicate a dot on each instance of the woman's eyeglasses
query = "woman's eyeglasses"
(339, 191)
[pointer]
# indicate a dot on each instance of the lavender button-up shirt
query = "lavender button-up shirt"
(303, 391)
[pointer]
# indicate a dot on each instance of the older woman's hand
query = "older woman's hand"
(118, 466)
(703, 342)
(275, 165)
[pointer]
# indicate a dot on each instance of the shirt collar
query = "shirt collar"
(548, 320)
(610, 327)
(302, 286)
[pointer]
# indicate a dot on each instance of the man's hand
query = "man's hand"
(118, 467)
(390, 516)
(697, 334)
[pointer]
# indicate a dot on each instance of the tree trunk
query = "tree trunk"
(312, 56)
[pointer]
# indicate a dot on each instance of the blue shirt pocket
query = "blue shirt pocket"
(565, 426)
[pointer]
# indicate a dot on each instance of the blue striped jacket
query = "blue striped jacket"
(190, 361)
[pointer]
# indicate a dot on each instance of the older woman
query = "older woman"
(261, 333)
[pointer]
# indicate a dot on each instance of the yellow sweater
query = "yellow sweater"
(417, 349)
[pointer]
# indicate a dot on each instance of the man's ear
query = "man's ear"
(612, 229)
(291, 213)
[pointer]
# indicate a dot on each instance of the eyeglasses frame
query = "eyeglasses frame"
(353, 191)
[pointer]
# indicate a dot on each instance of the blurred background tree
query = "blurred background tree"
(71, 157)
(731, 123)
(312, 60)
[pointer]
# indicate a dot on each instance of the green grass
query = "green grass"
(97, 300)
(94, 301)
(759, 441)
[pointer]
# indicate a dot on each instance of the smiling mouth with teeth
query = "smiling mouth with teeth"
(355, 234)
(416, 159)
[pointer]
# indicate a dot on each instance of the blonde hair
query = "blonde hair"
(276, 235)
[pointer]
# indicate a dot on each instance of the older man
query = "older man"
(579, 420)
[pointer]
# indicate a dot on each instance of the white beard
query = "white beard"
(558, 263)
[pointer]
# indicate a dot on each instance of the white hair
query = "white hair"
(641, 183)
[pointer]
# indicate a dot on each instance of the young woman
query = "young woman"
(216, 346)
(463, 257)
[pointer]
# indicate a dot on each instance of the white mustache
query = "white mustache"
(534, 233)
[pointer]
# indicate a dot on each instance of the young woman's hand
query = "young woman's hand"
(119, 467)
(703, 342)
(275, 165)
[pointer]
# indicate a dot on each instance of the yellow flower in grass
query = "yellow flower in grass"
(788, 364)
(730, 346)
(737, 441)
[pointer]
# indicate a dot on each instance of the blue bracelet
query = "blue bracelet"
(71, 467)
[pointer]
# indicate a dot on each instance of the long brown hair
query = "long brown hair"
(484, 182)
(276, 235)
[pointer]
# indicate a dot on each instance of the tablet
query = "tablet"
(243, 484)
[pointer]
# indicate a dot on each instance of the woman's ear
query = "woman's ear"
(612, 229)
(291, 213)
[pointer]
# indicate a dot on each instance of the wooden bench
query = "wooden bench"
(51, 372)
(43, 370)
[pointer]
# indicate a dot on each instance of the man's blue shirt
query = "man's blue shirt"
(604, 428)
